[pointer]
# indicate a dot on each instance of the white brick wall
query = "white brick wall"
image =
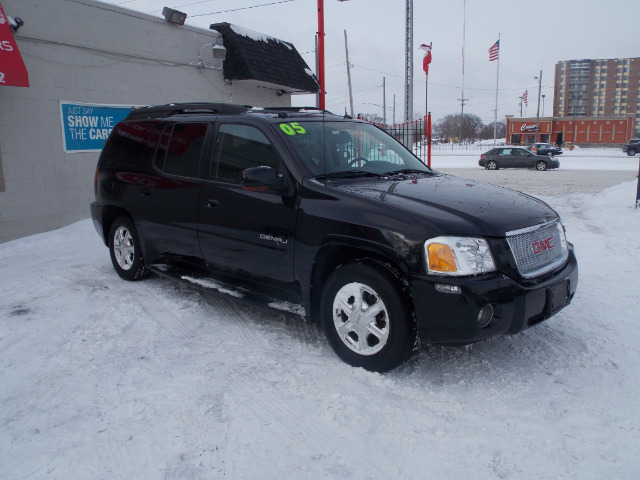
(62, 43)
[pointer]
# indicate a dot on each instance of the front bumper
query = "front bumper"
(453, 317)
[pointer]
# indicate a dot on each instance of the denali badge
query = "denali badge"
(273, 239)
(541, 245)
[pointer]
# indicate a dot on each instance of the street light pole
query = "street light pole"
(543, 105)
(538, 112)
(321, 78)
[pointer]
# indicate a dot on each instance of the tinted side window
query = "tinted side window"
(237, 148)
(179, 149)
(129, 147)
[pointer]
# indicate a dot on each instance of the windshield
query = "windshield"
(345, 148)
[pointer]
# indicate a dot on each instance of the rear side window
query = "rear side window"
(237, 148)
(130, 146)
(180, 148)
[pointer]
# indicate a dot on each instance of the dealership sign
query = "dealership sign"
(528, 128)
(13, 73)
(85, 127)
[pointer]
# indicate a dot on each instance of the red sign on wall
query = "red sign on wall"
(13, 73)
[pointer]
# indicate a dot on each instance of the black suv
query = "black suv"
(632, 147)
(332, 219)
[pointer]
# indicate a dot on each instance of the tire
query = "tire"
(366, 318)
(631, 152)
(491, 165)
(541, 165)
(125, 250)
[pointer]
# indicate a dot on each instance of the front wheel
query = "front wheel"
(365, 318)
(541, 165)
(124, 247)
(491, 165)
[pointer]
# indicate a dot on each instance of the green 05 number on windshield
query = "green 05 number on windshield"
(293, 128)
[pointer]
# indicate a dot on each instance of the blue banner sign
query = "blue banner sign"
(85, 127)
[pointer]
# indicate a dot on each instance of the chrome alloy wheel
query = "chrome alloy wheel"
(123, 248)
(361, 319)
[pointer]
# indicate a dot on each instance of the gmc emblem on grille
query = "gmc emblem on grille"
(541, 245)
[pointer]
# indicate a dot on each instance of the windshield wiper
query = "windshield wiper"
(349, 173)
(407, 171)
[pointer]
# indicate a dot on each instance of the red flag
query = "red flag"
(494, 51)
(13, 73)
(427, 57)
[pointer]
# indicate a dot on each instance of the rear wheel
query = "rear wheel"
(365, 318)
(541, 165)
(631, 152)
(491, 165)
(124, 247)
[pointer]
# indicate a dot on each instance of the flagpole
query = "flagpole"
(495, 118)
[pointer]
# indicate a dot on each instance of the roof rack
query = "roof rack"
(297, 109)
(283, 111)
(170, 109)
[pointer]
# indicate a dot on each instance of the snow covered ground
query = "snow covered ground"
(106, 379)
(576, 159)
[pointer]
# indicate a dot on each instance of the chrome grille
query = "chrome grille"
(538, 250)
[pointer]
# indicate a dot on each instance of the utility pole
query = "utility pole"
(538, 112)
(384, 101)
(520, 106)
(462, 100)
(394, 109)
(408, 63)
(346, 49)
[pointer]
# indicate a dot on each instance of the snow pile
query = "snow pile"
(102, 378)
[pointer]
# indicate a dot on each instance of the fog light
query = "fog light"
(485, 316)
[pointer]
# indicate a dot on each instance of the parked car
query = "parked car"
(632, 147)
(544, 149)
(516, 157)
(286, 207)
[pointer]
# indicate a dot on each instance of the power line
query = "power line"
(241, 8)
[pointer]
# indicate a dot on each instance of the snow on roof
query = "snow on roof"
(257, 36)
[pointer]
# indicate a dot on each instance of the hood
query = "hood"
(446, 204)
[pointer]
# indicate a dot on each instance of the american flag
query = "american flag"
(524, 98)
(494, 51)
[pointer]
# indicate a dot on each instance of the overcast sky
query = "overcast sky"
(534, 35)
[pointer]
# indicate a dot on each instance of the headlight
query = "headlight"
(458, 256)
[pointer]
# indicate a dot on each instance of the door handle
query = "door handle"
(212, 203)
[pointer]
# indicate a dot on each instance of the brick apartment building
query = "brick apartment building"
(598, 88)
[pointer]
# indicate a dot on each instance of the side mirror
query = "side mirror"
(261, 179)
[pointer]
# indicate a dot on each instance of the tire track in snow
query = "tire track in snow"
(232, 312)
(267, 333)
(309, 439)
(161, 310)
